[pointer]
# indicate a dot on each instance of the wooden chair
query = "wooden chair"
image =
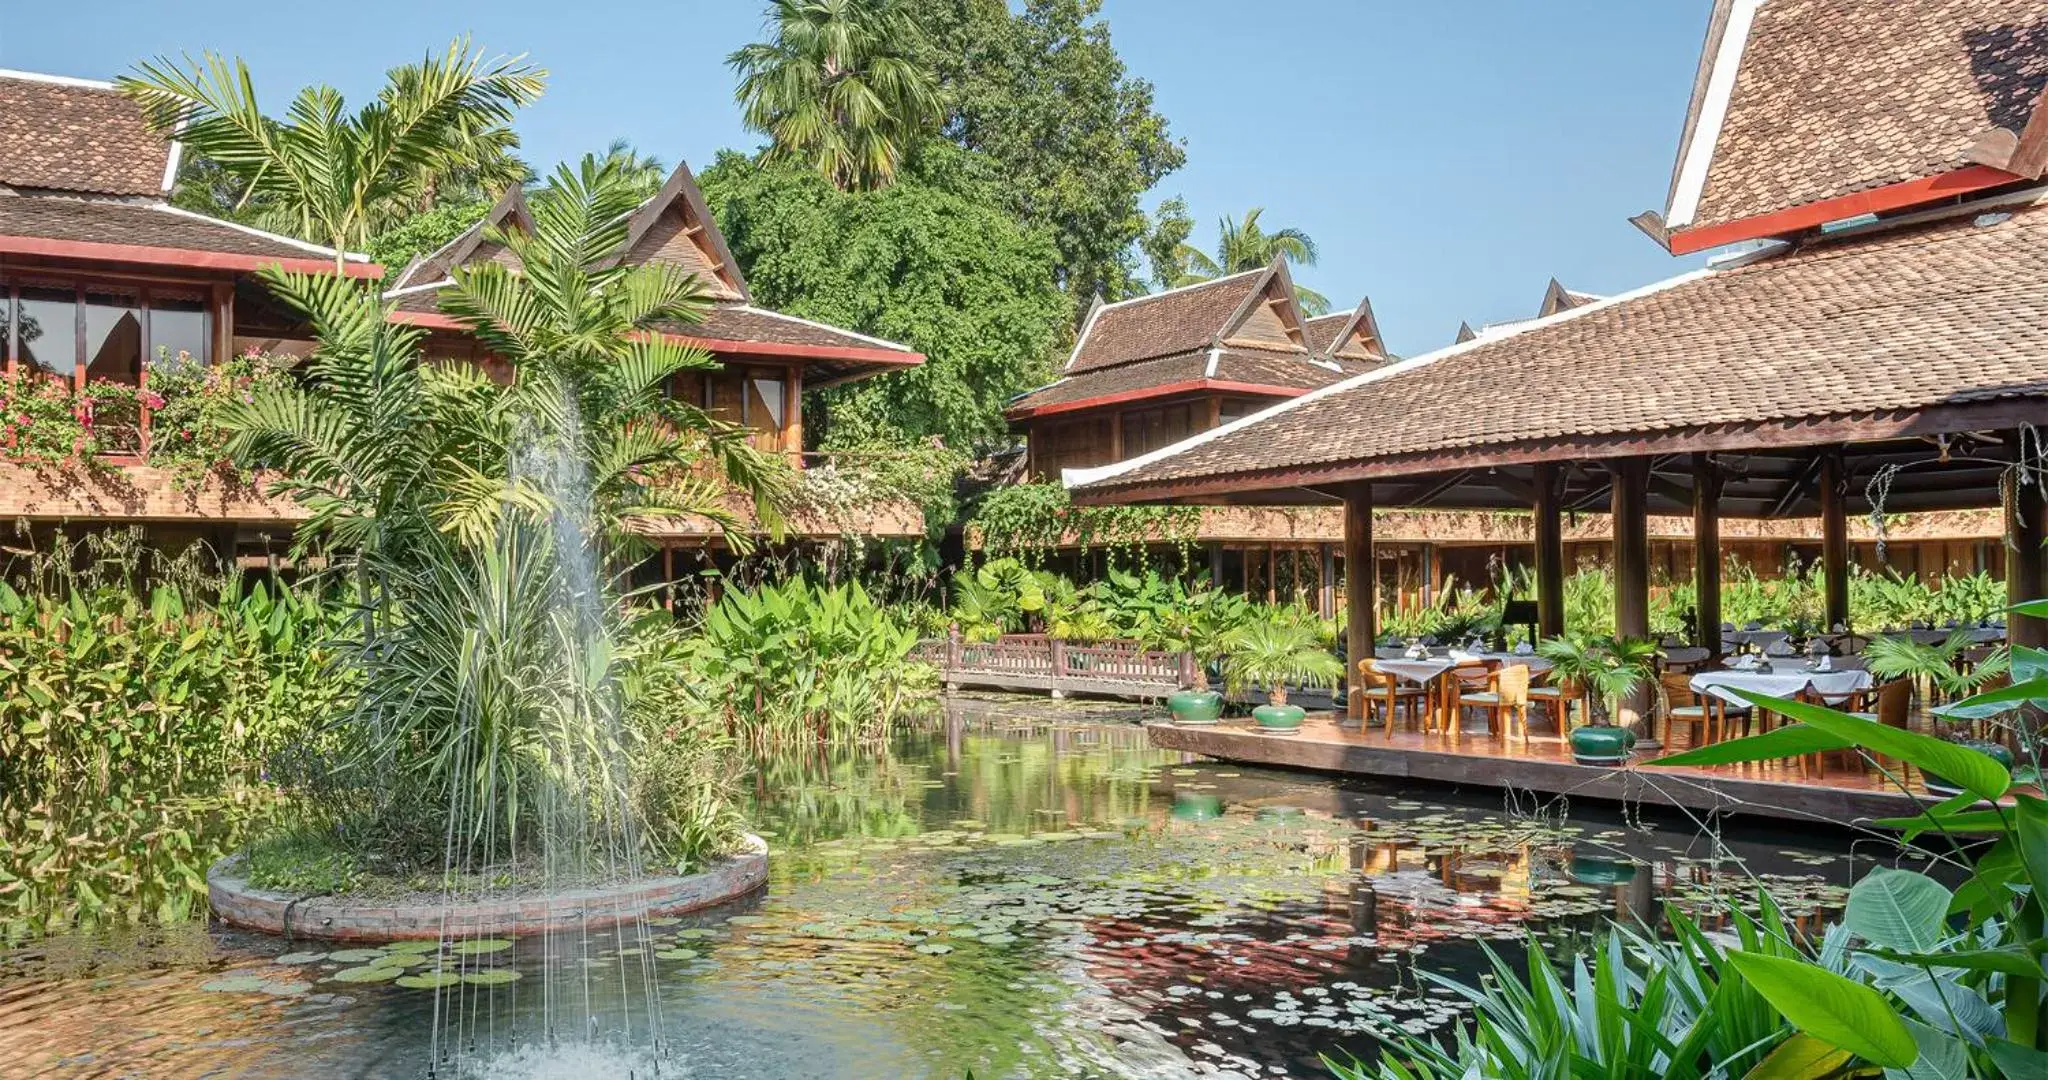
(1389, 692)
(1505, 699)
(1683, 706)
(1556, 698)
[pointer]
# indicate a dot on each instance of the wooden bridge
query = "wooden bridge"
(1037, 662)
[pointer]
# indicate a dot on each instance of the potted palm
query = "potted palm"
(1272, 653)
(1609, 667)
(1940, 667)
(1202, 628)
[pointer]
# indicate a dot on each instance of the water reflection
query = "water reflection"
(999, 890)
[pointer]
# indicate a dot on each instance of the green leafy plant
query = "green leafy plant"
(190, 403)
(1028, 520)
(1276, 652)
(1609, 668)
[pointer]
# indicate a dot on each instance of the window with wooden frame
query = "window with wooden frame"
(1074, 444)
(101, 330)
(1146, 430)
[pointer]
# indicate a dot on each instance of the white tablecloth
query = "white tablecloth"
(1420, 671)
(1536, 664)
(1786, 680)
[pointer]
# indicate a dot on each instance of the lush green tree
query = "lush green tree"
(323, 174)
(837, 85)
(932, 261)
(424, 232)
(1074, 138)
(1243, 245)
(1171, 226)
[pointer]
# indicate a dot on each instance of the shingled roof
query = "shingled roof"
(1803, 101)
(1241, 334)
(1912, 327)
(80, 136)
(674, 227)
(1348, 335)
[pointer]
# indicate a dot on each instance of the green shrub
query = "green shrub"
(134, 725)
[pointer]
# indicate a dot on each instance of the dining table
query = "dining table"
(1428, 671)
(1784, 680)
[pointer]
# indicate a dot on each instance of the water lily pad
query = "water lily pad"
(935, 948)
(296, 958)
(425, 945)
(430, 980)
(369, 973)
(284, 987)
(479, 946)
(235, 984)
(356, 956)
(493, 977)
(678, 954)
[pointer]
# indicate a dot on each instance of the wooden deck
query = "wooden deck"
(1543, 766)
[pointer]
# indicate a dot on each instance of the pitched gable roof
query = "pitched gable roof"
(1801, 102)
(675, 226)
(471, 245)
(1161, 324)
(1557, 298)
(1349, 335)
(79, 136)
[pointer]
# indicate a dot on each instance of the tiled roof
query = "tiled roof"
(1243, 366)
(73, 135)
(1318, 333)
(1916, 316)
(1833, 97)
(744, 322)
(1162, 324)
(101, 221)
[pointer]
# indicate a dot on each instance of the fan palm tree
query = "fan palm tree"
(837, 86)
(1245, 245)
(328, 176)
(645, 170)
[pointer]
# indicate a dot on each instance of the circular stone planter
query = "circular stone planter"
(1195, 706)
(1279, 719)
(358, 918)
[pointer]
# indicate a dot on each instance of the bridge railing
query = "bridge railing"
(1038, 662)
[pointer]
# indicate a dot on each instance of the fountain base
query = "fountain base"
(376, 918)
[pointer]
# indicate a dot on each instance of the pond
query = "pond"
(1012, 888)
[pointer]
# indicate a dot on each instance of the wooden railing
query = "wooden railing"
(1037, 662)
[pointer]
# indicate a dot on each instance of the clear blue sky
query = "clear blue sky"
(1448, 157)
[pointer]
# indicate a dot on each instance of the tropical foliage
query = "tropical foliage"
(935, 264)
(1608, 667)
(798, 659)
(1031, 519)
(135, 723)
(836, 87)
(332, 177)
(1921, 978)
(1276, 652)
(475, 515)
(1069, 138)
(1243, 245)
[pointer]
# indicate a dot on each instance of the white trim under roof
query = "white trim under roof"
(1077, 478)
(302, 245)
(1698, 153)
(408, 290)
(171, 162)
(897, 346)
(56, 80)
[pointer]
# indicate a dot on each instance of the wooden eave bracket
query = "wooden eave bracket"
(2024, 153)
(1652, 224)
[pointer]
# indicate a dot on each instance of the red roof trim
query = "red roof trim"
(1185, 386)
(1880, 200)
(163, 256)
(890, 357)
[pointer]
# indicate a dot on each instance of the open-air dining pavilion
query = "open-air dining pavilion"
(1900, 365)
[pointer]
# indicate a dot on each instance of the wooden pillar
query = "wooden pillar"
(2026, 528)
(1706, 552)
(1326, 583)
(1549, 551)
(1359, 590)
(1216, 565)
(1632, 572)
(1834, 535)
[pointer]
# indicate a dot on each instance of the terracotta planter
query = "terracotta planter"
(1600, 744)
(1195, 706)
(1279, 719)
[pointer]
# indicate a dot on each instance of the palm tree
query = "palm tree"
(1244, 245)
(645, 170)
(836, 86)
(322, 174)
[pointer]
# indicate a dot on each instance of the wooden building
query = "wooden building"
(1885, 322)
(99, 274)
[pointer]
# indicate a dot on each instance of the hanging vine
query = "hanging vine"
(1025, 521)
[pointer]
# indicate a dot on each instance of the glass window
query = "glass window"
(1236, 409)
(178, 326)
(766, 408)
(47, 321)
(113, 338)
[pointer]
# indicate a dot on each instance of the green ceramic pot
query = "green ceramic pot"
(1195, 706)
(1599, 744)
(1196, 806)
(1279, 719)
(1941, 786)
